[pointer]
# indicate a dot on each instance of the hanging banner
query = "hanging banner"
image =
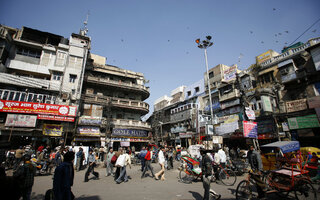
(250, 129)
(84, 120)
(230, 73)
(37, 108)
(52, 129)
(15, 120)
(250, 113)
(89, 130)
(297, 105)
(56, 118)
(225, 128)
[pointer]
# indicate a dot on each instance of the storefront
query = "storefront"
(129, 138)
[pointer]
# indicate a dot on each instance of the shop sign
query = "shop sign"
(250, 129)
(267, 107)
(230, 73)
(185, 135)
(229, 118)
(120, 139)
(37, 108)
(225, 128)
(52, 130)
(285, 126)
(230, 103)
(265, 126)
(84, 120)
(293, 106)
(125, 144)
(250, 113)
(309, 121)
(89, 130)
(129, 132)
(56, 118)
(314, 102)
(217, 139)
(15, 120)
(178, 129)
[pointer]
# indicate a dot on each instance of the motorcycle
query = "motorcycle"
(42, 167)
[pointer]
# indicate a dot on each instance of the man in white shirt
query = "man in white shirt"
(161, 161)
(223, 157)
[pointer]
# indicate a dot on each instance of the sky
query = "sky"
(157, 37)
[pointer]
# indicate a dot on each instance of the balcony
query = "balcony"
(28, 82)
(134, 124)
(118, 84)
(116, 102)
(26, 66)
(230, 95)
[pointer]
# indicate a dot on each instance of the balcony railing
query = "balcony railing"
(290, 52)
(116, 102)
(107, 81)
(229, 95)
(131, 123)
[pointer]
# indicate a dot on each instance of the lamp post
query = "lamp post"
(204, 44)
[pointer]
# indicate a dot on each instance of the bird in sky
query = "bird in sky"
(251, 32)
(122, 40)
(277, 41)
(262, 42)
(315, 30)
(280, 33)
(275, 35)
(287, 31)
(273, 9)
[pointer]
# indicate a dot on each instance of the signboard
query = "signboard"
(225, 128)
(56, 118)
(209, 129)
(309, 121)
(229, 118)
(15, 120)
(185, 135)
(89, 130)
(265, 126)
(84, 120)
(293, 106)
(263, 57)
(314, 102)
(37, 108)
(230, 73)
(125, 144)
(52, 129)
(250, 129)
(217, 139)
(285, 126)
(250, 113)
(267, 107)
(129, 132)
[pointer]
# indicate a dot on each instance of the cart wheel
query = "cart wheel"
(227, 177)
(304, 190)
(185, 176)
(246, 190)
(280, 193)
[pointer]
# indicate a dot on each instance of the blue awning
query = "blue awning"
(285, 146)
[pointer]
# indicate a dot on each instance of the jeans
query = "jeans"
(146, 167)
(79, 163)
(109, 169)
(170, 163)
(206, 186)
(123, 175)
(143, 161)
(90, 168)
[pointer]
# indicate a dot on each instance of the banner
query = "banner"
(15, 120)
(250, 129)
(185, 135)
(89, 130)
(52, 129)
(266, 103)
(225, 128)
(37, 108)
(250, 113)
(309, 121)
(297, 105)
(230, 73)
(56, 118)
(129, 132)
(84, 120)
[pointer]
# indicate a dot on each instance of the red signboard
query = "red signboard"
(56, 118)
(37, 108)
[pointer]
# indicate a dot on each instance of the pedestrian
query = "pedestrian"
(63, 178)
(109, 165)
(170, 158)
(255, 162)
(101, 154)
(58, 157)
(142, 156)
(147, 159)
(178, 155)
(18, 157)
(121, 163)
(216, 160)
(117, 155)
(80, 158)
(161, 161)
(223, 157)
(91, 165)
(25, 176)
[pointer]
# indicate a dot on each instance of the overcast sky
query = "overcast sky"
(157, 37)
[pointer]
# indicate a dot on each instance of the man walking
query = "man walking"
(122, 161)
(91, 165)
(161, 160)
(147, 166)
(80, 157)
(109, 168)
(142, 156)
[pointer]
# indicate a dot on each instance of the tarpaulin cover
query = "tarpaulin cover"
(285, 146)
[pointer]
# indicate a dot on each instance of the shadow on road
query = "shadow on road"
(88, 198)
(196, 195)
(37, 197)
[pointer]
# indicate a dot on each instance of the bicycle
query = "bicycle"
(226, 175)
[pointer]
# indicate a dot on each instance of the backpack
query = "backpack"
(114, 159)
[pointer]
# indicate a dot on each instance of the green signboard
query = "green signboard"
(309, 121)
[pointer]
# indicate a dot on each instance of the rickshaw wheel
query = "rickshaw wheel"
(246, 191)
(227, 177)
(185, 177)
(281, 193)
(305, 190)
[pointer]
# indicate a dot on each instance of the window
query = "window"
(72, 78)
(5, 95)
(29, 52)
(23, 96)
(61, 58)
(30, 97)
(73, 91)
(57, 76)
(197, 89)
(189, 93)
(11, 95)
(75, 62)
(17, 97)
(211, 75)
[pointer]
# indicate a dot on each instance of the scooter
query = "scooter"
(42, 167)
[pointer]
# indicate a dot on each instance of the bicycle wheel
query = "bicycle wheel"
(227, 177)
(268, 179)
(246, 190)
(304, 190)
(185, 176)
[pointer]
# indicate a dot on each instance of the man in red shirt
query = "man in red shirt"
(147, 164)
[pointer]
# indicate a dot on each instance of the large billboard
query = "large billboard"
(37, 108)
(15, 120)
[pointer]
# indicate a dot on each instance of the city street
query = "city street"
(136, 188)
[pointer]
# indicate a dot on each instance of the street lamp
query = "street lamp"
(204, 44)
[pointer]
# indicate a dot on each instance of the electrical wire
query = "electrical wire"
(305, 31)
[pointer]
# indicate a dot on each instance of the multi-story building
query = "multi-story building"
(40, 83)
(112, 106)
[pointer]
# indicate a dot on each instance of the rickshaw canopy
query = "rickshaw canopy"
(285, 146)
